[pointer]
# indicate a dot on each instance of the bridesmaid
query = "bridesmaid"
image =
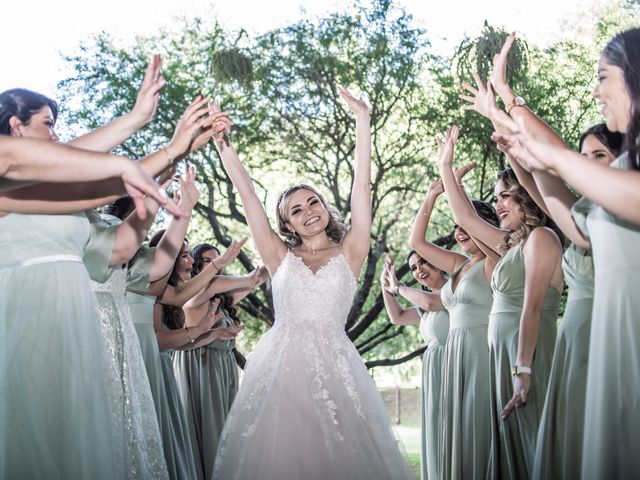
(72, 363)
(526, 283)
(559, 446)
(208, 377)
(434, 325)
(178, 451)
(608, 216)
(466, 427)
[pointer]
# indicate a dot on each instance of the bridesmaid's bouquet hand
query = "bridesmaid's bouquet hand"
(521, 387)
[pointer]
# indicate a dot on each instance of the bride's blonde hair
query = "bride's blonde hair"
(335, 229)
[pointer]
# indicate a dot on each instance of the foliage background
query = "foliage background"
(290, 126)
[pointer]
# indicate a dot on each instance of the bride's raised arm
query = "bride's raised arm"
(357, 240)
(271, 248)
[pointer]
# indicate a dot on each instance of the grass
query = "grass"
(410, 416)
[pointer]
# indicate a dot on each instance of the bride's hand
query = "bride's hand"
(356, 105)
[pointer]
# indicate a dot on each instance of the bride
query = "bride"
(307, 407)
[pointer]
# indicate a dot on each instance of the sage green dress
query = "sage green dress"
(56, 420)
(466, 427)
(559, 448)
(612, 409)
(514, 439)
(207, 383)
(178, 451)
(434, 327)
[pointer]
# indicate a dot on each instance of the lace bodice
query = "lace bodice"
(318, 300)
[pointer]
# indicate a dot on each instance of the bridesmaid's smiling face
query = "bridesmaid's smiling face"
(425, 273)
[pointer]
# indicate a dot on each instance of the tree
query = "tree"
(290, 125)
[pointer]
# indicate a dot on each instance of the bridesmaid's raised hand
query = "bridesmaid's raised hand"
(149, 94)
(229, 254)
(460, 172)
(435, 189)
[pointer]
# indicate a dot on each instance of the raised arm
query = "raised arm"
(427, 301)
(178, 296)
(440, 257)
(617, 190)
(194, 130)
(358, 239)
(271, 248)
(187, 336)
(463, 211)
(105, 138)
(397, 314)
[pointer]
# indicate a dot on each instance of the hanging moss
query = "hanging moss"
(476, 55)
(230, 65)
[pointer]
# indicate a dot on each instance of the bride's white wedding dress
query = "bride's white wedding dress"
(307, 407)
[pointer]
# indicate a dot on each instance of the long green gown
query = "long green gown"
(207, 382)
(466, 428)
(178, 451)
(137, 433)
(513, 440)
(559, 448)
(612, 410)
(434, 327)
(55, 416)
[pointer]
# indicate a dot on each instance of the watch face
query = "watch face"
(519, 101)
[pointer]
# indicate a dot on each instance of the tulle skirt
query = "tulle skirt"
(307, 409)
(55, 418)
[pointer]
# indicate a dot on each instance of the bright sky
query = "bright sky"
(35, 32)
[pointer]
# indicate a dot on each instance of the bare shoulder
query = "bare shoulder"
(543, 240)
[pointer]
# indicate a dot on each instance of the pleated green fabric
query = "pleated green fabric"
(208, 381)
(514, 439)
(466, 426)
(612, 418)
(434, 327)
(559, 448)
(178, 452)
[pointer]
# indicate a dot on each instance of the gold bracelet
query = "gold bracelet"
(167, 154)
(186, 330)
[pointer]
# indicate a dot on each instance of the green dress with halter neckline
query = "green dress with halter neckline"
(612, 409)
(466, 427)
(514, 438)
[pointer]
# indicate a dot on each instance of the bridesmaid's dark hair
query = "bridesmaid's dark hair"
(173, 317)
(623, 51)
(226, 298)
(22, 103)
(121, 208)
(413, 252)
(612, 140)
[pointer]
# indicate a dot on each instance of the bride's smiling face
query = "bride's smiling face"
(306, 214)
